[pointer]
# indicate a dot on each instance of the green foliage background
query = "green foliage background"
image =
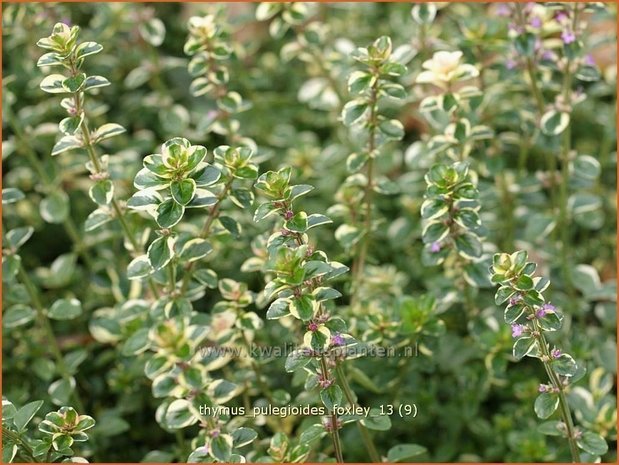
(474, 402)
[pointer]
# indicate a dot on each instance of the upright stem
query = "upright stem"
(560, 388)
(206, 229)
(350, 397)
(562, 225)
(92, 154)
(359, 260)
(335, 435)
(17, 440)
(541, 107)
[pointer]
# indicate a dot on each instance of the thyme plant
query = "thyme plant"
(178, 176)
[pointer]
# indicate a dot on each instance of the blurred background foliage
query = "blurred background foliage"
(474, 403)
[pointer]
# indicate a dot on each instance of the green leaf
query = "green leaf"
(195, 249)
(524, 283)
(299, 190)
(147, 199)
(592, 443)
(19, 236)
(97, 219)
(278, 309)
(93, 82)
(169, 213)
(302, 307)
(178, 415)
(139, 267)
(565, 365)
(331, 397)
(160, 252)
(437, 231)
(312, 433)
(298, 223)
(55, 207)
(50, 59)
(18, 315)
(586, 279)
(422, 13)
(52, 84)
(512, 313)
(243, 436)
(221, 447)
(152, 31)
(102, 192)
(74, 84)
(87, 48)
(25, 414)
(468, 246)
(231, 225)
(353, 111)
(376, 421)
(183, 191)
(65, 309)
(10, 267)
(60, 391)
(325, 293)
(546, 404)
(107, 131)
(317, 219)
(524, 346)
(356, 161)
(404, 452)
(137, 343)
(66, 143)
(297, 359)
(70, 125)
(11, 195)
(554, 123)
(392, 129)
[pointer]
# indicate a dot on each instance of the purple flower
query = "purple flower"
(518, 330)
(548, 55)
(561, 16)
(337, 340)
(510, 63)
(547, 307)
(555, 353)
(536, 22)
(515, 299)
(313, 327)
(589, 60)
(289, 214)
(568, 37)
(503, 9)
(435, 247)
(542, 388)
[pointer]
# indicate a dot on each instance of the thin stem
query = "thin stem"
(562, 225)
(17, 440)
(92, 154)
(206, 229)
(350, 397)
(359, 261)
(337, 445)
(560, 388)
(335, 436)
(541, 107)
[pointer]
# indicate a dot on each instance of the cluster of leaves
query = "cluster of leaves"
(461, 130)
(531, 318)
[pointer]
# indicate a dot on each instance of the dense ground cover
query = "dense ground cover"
(309, 232)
